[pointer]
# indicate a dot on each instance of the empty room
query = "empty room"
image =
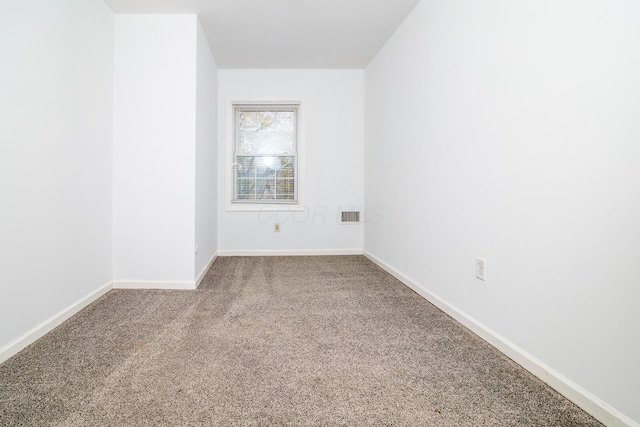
(304, 212)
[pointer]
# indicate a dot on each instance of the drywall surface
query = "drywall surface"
(509, 131)
(206, 214)
(154, 147)
(330, 164)
(55, 158)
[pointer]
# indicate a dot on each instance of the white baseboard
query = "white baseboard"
(155, 284)
(205, 269)
(291, 252)
(604, 413)
(165, 284)
(51, 323)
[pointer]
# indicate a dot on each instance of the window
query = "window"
(265, 154)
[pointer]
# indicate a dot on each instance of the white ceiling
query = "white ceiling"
(287, 33)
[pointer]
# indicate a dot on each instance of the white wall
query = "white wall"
(55, 158)
(331, 167)
(206, 215)
(154, 147)
(509, 131)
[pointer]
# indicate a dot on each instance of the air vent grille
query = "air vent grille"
(350, 216)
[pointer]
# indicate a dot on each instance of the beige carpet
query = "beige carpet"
(273, 341)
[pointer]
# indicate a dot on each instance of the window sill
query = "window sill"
(267, 207)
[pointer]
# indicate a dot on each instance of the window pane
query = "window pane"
(286, 168)
(265, 168)
(285, 186)
(246, 189)
(266, 190)
(246, 166)
(265, 178)
(265, 132)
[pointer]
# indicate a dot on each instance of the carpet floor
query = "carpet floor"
(273, 341)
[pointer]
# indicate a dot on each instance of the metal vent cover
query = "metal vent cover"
(350, 216)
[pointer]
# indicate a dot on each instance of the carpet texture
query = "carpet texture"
(273, 341)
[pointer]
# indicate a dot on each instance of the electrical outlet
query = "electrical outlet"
(196, 248)
(480, 268)
(276, 228)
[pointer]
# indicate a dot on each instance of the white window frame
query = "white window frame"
(244, 206)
